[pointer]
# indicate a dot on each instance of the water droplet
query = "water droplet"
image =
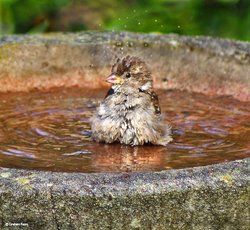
(134, 11)
(139, 23)
(174, 43)
(130, 44)
(156, 20)
(119, 44)
(125, 26)
(178, 27)
(119, 19)
(145, 44)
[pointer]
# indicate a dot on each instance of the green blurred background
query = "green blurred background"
(218, 18)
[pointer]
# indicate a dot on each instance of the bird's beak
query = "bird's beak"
(114, 79)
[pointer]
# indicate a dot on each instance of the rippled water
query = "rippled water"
(50, 131)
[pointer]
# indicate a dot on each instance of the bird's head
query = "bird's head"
(131, 72)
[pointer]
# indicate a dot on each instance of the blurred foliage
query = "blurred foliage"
(221, 18)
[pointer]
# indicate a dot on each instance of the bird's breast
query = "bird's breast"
(125, 105)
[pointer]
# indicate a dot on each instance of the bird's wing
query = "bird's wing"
(155, 102)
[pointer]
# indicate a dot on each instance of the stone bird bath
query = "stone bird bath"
(208, 197)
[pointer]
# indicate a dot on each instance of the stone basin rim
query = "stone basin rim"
(177, 62)
(190, 172)
(44, 197)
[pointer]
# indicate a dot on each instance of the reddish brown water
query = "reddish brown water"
(50, 131)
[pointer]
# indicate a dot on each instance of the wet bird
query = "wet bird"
(130, 113)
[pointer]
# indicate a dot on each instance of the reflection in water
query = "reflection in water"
(126, 158)
(50, 131)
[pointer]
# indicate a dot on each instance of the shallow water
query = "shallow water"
(50, 131)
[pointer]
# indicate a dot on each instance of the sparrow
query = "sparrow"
(130, 113)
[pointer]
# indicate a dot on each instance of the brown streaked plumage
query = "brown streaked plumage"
(130, 112)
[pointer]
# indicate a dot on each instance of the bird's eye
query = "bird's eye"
(128, 75)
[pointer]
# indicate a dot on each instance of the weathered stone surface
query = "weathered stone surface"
(211, 197)
(200, 64)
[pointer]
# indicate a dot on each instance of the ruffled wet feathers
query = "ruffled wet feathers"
(130, 113)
